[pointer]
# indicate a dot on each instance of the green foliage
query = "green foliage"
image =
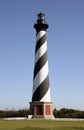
(14, 113)
(68, 113)
(62, 113)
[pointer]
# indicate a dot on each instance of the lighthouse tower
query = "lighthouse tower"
(41, 105)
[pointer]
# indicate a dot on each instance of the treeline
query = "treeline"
(14, 113)
(68, 113)
(62, 113)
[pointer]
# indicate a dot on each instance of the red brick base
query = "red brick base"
(48, 109)
(41, 110)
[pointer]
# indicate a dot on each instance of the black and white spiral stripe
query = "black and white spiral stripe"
(41, 90)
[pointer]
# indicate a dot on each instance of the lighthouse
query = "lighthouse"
(41, 105)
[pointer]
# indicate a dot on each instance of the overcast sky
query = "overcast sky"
(65, 38)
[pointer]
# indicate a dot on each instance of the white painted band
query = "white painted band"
(47, 97)
(41, 51)
(40, 77)
(40, 34)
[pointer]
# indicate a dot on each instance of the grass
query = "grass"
(41, 125)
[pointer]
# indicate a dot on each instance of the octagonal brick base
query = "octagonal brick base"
(41, 110)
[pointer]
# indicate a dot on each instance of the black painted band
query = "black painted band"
(41, 90)
(40, 42)
(40, 63)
